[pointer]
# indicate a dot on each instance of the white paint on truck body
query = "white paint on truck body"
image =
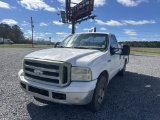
(97, 61)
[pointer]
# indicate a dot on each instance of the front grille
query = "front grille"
(47, 72)
(23, 85)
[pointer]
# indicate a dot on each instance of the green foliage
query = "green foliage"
(142, 50)
(147, 44)
(24, 46)
(13, 33)
(144, 47)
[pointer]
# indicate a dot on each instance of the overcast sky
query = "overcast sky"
(129, 20)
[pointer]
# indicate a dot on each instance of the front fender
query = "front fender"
(99, 65)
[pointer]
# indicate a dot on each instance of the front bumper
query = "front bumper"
(77, 93)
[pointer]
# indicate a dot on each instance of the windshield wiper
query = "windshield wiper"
(100, 49)
(60, 46)
(86, 48)
(63, 47)
(82, 47)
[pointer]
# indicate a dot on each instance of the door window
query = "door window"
(113, 42)
(113, 45)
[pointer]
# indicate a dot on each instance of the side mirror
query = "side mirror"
(113, 50)
(125, 50)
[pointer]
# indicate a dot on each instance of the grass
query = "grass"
(24, 46)
(134, 50)
(148, 51)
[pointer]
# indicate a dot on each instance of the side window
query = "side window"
(113, 42)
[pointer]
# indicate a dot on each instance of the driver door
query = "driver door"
(114, 61)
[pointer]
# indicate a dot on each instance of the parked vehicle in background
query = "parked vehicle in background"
(5, 41)
(1, 40)
(8, 41)
(77, 71)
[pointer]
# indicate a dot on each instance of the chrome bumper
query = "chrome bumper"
(77, 93)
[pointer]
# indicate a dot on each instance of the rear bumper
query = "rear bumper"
(77, 93)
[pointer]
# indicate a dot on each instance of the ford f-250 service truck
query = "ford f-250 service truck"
(77, 71)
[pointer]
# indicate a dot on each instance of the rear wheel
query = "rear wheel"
(99, 94)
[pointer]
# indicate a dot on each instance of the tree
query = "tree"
(14, 33)
(151, 44)
(17, 34)
(5, 31)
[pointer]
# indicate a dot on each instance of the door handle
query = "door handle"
(109, 60)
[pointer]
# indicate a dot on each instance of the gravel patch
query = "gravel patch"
(136, 96)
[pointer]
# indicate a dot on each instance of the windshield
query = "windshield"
(86, 41)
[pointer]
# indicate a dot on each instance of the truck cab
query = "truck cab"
(77, 71)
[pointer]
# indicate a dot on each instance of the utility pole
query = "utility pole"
(32, 26)
(73, 26)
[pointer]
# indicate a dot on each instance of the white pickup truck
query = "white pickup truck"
(77, 71)
(5, 41)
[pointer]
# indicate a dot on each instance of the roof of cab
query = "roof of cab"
(95, 33)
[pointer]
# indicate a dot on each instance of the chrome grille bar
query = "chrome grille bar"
(44, 76)
(47, 72)
(40, 68)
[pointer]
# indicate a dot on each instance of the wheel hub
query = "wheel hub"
(101, 95)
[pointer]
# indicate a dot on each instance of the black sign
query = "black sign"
(68, 11)
(79, 11)
(83, 9)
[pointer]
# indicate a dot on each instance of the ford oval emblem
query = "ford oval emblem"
(38, 72)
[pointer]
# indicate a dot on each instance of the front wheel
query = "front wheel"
(99, 94)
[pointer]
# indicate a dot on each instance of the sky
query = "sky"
(129, 20)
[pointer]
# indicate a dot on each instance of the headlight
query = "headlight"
(81, 74)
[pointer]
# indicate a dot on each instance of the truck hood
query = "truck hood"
(77, 57)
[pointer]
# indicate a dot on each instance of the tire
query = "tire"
(122, 72)
(99, 95)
